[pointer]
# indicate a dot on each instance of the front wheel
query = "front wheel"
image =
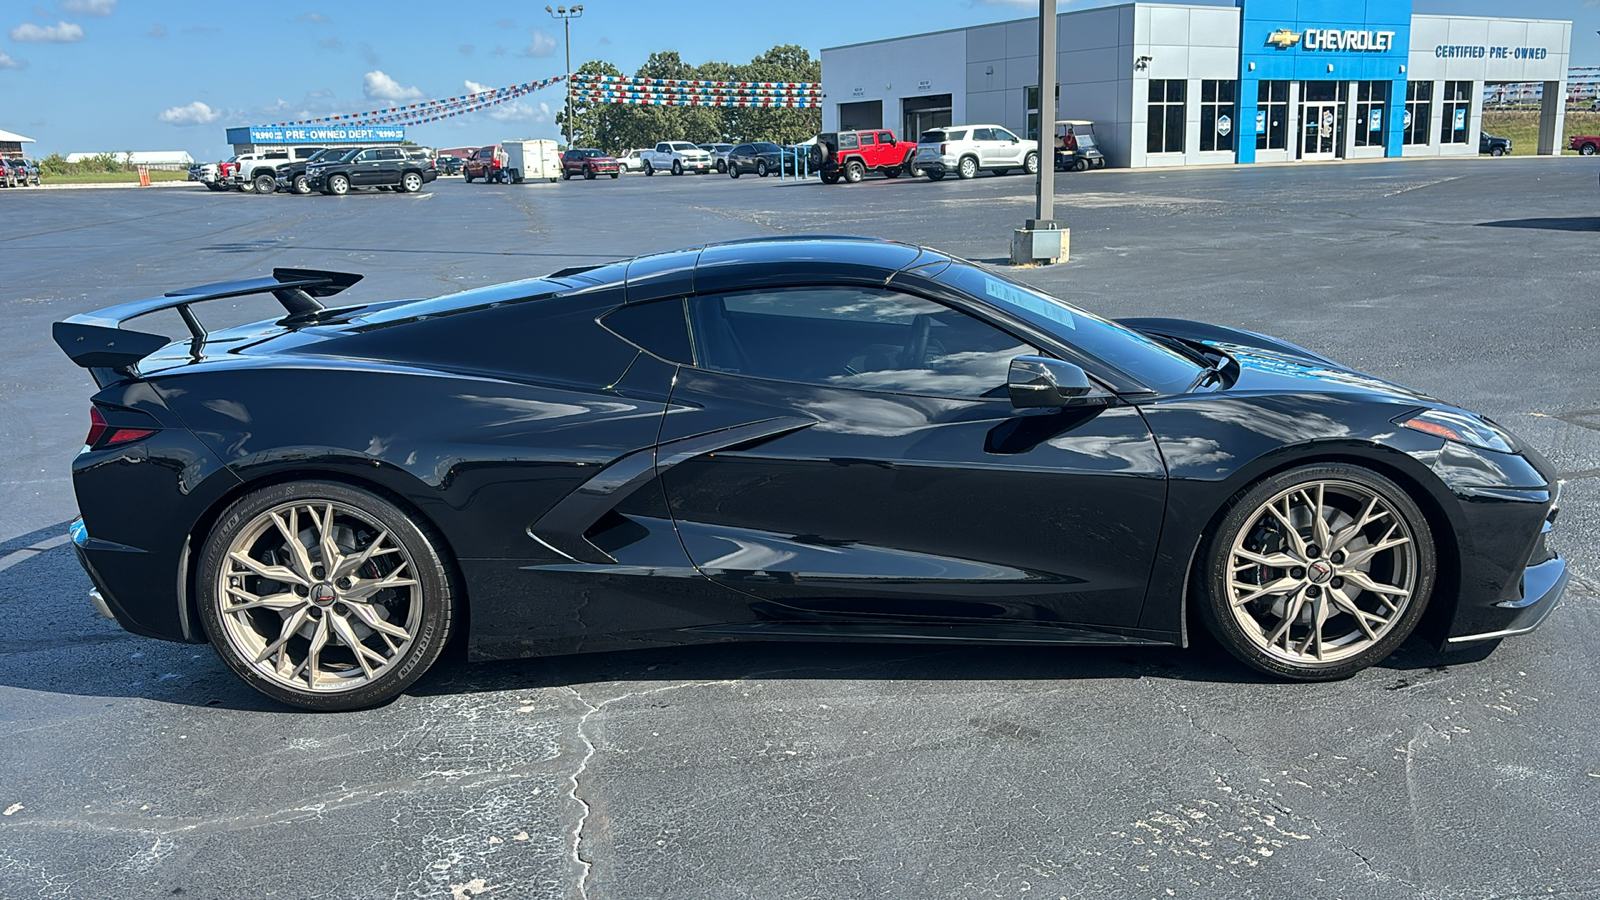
(934, 174)
(910, 166)
(588, 174)
(1497, 151)
(615, 174)
(1030, 164)
(677, 167)
(1318, 572)
(324, 596)
(733, 170)
(338, 185)
(301, 185)
(467, 177)
(761, 168)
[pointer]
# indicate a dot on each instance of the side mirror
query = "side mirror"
(1035, 381)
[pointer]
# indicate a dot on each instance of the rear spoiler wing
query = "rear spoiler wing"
(97, 341)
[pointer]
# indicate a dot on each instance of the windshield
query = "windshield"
(682, 145)
(932, 137)
(1150, 363)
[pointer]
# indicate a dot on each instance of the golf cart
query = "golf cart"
(1075, 146)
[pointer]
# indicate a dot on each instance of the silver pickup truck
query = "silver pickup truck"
(676, 157)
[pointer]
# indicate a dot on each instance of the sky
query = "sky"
(118, 75)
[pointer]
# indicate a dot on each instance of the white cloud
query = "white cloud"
(378, 86)
(157, 30)
(518, 111)
(312, 17)
(59, 33)
(539, 44)
(196, 113)
(97, 8)
(6, 62)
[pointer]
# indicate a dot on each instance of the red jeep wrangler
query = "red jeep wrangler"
(852, 154)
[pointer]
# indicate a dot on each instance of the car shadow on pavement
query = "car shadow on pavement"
(1571, 223)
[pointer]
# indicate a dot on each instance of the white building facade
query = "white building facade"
(1266, 80)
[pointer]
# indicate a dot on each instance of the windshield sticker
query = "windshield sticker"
(1010, 293)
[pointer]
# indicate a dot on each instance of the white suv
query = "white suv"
(969, 149)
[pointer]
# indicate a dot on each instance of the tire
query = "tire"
(411, 182)
(301, 185)
(1005, 171)
(383, 188)
(295, 637)
(1030, 164)
(829, 178)
(1265, 583)
(892, 172)
(615, 174)
(588, 174)
(338, 185)
(967, 168)
(1081, 165)
(910, 165)
(761, 168)
(733, 171)
(467, 177)
(566, 175)
(934, 174)
(854, 171)
(1496, 151)
(677, 167)
(649, 169)
(247, 187)
(722, 167)
(214, 187)
(265, 184)
(1586, 150)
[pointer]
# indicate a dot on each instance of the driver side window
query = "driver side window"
(862, 338)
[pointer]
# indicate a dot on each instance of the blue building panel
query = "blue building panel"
(1324, 40)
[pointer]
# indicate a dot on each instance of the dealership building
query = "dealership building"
(1173, 84)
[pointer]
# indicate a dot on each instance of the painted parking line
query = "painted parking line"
(29, 552)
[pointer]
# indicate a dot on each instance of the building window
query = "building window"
(1030, 99)
(1371, 99)
(1166, 115)
(1218, 116)
(1454, 112)
(1419, 105)
(1272, 115)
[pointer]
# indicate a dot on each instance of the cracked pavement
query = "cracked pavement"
(134, 768)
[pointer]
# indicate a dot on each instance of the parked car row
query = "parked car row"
(17, 171)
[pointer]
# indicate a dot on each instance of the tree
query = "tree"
(593, 124)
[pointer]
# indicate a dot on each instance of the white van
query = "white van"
(531, 159)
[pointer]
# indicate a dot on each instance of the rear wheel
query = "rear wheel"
(934, 174)
(467, 177)
(649, 169)
(324, 596)
(829, 177)
(411, 182)
(967, 168)
(854, 171)
(301, 185)
(892, 172)
(1587, 149)
(266, 184)
(1318, 572)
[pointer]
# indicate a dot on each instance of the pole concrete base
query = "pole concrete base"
(1040, 246)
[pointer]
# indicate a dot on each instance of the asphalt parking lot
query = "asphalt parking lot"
(134, 768)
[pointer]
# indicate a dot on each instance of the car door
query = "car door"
(888, 153)
(853, 457)
(388, 166)
(1009, 149)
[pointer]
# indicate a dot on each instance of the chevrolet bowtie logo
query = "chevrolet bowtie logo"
(1283, 38)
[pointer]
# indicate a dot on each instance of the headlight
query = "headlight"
(1463, 428)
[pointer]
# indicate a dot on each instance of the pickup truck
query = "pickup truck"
(676, 157)
(850, 155)
(1587, 145)
(257, 173)
(488, 163)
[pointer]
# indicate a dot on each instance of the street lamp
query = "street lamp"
(566, 16)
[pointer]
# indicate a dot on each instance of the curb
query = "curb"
(118, 185)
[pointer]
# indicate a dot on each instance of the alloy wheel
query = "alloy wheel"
(1321, 572)
(318, 596)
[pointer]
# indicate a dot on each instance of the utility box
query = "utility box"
(1039, 246)
(527, 160)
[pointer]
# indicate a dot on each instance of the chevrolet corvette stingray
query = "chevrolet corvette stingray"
(836, 439)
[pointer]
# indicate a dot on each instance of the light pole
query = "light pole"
(566, 16)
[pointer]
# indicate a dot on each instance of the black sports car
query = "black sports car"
(811, 438)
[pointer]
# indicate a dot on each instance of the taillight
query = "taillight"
(105, 434)
(943, 149)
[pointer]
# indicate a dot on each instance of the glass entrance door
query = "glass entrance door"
(1319, 131)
